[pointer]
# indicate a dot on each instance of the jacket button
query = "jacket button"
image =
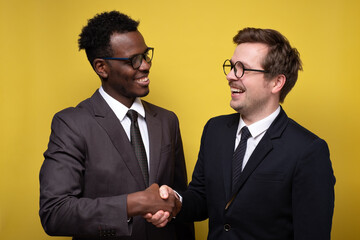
(227, 227)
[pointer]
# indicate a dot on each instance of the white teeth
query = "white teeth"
(143, 79)
(236, 90)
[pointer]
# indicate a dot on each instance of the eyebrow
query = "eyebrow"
(246, 65)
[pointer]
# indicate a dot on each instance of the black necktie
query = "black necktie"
(238, 156)
(137, 144)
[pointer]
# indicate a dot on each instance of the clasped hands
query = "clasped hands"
(157, 205)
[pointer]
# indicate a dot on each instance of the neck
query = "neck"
(253, 117)
(127, 101)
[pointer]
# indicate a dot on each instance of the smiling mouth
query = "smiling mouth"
(236, 90)
(144, 79)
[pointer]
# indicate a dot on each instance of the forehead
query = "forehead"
(250, 54)
(127, 44)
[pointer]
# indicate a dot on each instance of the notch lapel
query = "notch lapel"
(111, 124)
(227, 151)
(259, 154)
(261, 151)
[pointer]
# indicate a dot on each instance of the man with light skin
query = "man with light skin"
(282, 186)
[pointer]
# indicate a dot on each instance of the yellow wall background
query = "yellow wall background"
(42, 72)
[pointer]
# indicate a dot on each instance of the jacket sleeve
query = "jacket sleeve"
(180, 173)
(313, 193)
(184, 230)
(194, 206)
(63, 209)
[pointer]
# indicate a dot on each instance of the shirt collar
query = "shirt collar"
(120, 109)
(260, 126)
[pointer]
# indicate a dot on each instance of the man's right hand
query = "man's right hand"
(161, 218)
(149, 201)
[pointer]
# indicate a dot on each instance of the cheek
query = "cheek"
(122, 69)
(263, 87)
(125, 77)
(255, 92)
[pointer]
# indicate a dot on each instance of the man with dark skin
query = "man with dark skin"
(93, 185)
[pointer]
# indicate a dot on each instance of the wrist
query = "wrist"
(135, 204)
(178, 196)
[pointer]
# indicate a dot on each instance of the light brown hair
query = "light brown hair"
(280, 59)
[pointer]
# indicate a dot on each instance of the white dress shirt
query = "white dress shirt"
(257, 130)
(120, 111)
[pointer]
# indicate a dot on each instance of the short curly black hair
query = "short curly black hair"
(95, 36)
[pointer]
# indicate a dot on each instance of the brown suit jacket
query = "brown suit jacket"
(90, 167)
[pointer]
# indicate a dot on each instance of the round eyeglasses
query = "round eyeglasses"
(137, 59)
(239, 68)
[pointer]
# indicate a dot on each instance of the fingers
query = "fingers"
(167, 193)
(160, 204)
(148, 216)
(159, 219)
(152, 202)
(177, 207)
(162, 217)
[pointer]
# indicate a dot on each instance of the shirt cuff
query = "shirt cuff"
(179, 196)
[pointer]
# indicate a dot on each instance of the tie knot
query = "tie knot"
(245, 133)
(132, 114)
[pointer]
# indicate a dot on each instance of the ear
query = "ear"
(278, 83)
(101, 67)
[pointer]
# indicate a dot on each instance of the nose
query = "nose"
(231, 76)
(145, 66)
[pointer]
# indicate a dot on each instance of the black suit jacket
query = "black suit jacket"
(286, 189)
(90, 167)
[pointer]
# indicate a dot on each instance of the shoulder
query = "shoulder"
(290, 131)
(298, 130)
(158, 111)
(222, 120)
(299, 140)
(74, 114)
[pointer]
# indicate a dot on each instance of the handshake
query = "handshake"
(157, 205)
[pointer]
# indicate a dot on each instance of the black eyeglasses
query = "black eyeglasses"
(239, 68)
(137, 59)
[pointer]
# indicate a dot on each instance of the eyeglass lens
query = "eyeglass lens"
(137, 59)
(238, 68)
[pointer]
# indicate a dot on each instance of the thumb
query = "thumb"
(164, 192)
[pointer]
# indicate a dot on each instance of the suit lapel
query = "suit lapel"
(111, 124)
(228, 145)
(155, 140)
(261, 151)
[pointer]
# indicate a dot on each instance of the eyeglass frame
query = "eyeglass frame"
(243, 67)
(131, 58)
